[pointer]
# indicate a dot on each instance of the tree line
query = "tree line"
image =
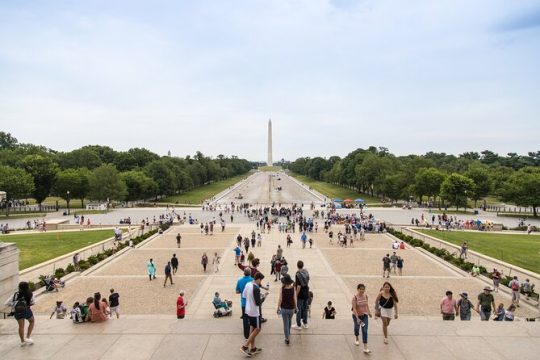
(100, 173)
(437, 177)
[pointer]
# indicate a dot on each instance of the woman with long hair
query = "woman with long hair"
(286, 305)
(98, 310)
(20, 303)
(386, 307)
(361, 313)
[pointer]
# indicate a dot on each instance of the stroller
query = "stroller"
(220, 311)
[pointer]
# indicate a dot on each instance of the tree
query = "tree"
(73, 180)
(105, 184)
(17, 183)
(7, 141)
(428, 182)
(482, 182)
(162, 175)
(523, 187)
(43, 170)
(456, 188)
(139, 185)
(84, 157)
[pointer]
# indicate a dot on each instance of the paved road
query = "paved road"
(262, 188)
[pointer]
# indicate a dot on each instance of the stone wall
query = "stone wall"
(9, 270)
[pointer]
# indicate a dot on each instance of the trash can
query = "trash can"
(475, 211)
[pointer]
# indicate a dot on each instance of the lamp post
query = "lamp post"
(67, 201)
(465, 201)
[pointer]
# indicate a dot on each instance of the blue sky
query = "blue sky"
(334, 75)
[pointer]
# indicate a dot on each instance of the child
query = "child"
(509, 315)
(329, 311)
(310, 243)
(499, 313)
(310, 300)
(242, 258)
(60, 310)
(76, 314)
(105, 303)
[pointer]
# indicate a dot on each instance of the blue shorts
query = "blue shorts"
(28, 314)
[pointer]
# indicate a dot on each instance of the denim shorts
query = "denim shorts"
(26, 315)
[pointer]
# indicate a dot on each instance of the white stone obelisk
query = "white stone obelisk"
(269, 160)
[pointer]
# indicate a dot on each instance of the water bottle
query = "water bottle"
(268, 286)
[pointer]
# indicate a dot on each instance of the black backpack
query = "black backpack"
(20, 306)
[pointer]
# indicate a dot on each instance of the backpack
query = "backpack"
(515, 286)
(76, 315)
(20, 306)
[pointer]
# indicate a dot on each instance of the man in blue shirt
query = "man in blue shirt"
(240, 285)
(237, 252)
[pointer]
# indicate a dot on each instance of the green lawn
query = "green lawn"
(197, 196)
(36, 248)
(520, 250)
(333, 191)
(270, 168)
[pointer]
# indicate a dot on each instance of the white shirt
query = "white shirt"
(252, 309)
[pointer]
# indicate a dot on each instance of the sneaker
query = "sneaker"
(305, 326)
(367, 351)
(356, 342)
(263, 320)
(245, 350)
(386, 340)
(287, 342)
(29, 341)
(255, 350)
(296, 327)
(24, 343)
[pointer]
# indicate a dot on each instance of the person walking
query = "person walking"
(302, 294)
(174, 264)
(464, 307)
(181, 304)
(151, 269)
(486, 303)
(399, 263)
(237, 253)
(76, 262)
(496, 277)
(360, 315)
(286, 305)
(448, 307)
(114, 303)
(168, 274)
(254, 300)
(386, 307)
(515, 285)
(178, 240)
(240, 285)
(303, 239)
(20, 304)
(386, 266)
(204, 261)
(215, 262)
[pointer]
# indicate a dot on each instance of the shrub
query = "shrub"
(32, 286)
(102, 256)
(59, 273)
(93, 260)
(84, 265)
(70, 268)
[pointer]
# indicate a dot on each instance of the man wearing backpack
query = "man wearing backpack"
(301, 285)
(515, 285)
(464, 307)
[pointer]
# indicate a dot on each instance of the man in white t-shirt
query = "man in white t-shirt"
(254, 300)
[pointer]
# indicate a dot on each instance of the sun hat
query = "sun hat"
(464, 294)
(487, 288)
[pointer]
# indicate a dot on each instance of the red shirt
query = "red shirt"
(180, 309)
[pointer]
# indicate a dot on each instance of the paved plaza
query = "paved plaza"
(148, 327)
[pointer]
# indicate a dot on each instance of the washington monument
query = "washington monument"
(269, 160)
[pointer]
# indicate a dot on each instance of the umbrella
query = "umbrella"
(338, 200)
(358, 200)
(347, 200)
